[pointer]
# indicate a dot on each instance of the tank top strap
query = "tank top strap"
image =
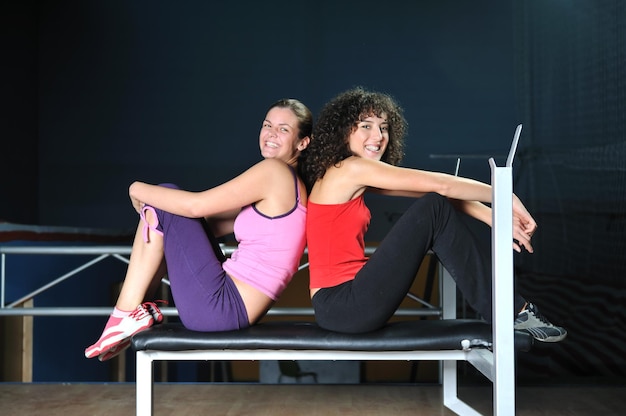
(295, 180)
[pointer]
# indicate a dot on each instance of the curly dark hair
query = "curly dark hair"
(338, 119)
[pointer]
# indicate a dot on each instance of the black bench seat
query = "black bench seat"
(423, 335)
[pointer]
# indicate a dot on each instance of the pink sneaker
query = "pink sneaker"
(157, 316)
(125, 327)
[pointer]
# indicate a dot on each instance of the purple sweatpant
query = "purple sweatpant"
(206, 298)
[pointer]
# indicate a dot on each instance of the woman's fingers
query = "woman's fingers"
(522, 234)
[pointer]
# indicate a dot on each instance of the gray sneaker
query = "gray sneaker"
(531, 321)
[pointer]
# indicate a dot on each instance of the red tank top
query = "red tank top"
(336, 241)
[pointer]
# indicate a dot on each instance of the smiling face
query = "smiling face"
(370, 137)
(278, 138)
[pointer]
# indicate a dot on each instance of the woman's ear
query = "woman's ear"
(304, 143)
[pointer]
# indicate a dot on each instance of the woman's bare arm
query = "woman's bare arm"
(251, 186)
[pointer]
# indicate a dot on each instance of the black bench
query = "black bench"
(446, 340)
(414, 335)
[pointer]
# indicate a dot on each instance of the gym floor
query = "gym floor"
(276, 400)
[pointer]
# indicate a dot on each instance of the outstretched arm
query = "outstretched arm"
(474, 209)
(251, 186)
(470, 195)
(394, 180)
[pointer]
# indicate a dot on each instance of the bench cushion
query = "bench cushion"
(423, 335)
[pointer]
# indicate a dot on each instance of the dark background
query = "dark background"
(96, 94)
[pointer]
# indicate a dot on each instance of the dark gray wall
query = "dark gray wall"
(571, 87)
(19, 162)
(170, 91)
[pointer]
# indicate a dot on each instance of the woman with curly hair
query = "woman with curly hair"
(356, 146)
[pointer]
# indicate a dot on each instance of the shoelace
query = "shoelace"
(139, 313)
(154, 310)
(538, 315)
(154, 303)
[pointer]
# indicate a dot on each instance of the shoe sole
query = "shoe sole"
(547, 339)
(105, 346)
(552, 339)
(115, 351)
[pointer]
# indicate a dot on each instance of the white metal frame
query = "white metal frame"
(99, 253)
(145, 373)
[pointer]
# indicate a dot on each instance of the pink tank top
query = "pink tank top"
(269, 248)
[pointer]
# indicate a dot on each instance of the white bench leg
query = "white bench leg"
(144, 383)
(450, 391)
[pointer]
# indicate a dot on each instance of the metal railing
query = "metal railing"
(122, 253)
